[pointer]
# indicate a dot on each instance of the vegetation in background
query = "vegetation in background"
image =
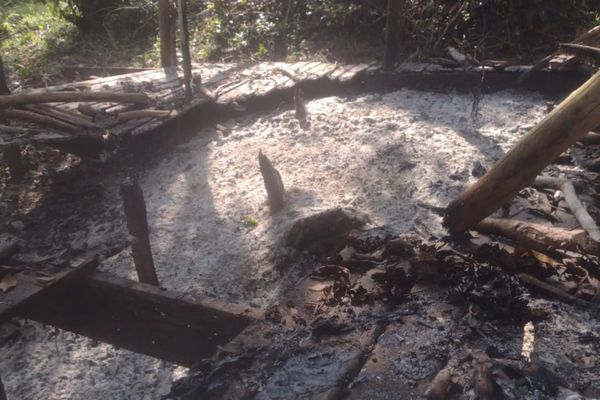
(40, 35)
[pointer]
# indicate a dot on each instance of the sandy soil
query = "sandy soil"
(386, 155)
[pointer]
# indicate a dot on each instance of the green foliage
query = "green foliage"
(28, 29)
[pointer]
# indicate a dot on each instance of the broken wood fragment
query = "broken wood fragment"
(142, 317)
(301, 112)
(124, 116)
(273, 183)
(39, 119)
(538, 236)
(137, 224)
(20, 99)
(579, 211)
(564, 126)
(14, 159)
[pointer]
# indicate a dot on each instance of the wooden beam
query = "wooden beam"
(11, 100)
(185, 47)
(30, 289)
(392, 31)
(166, 28)
(143, 318)
(564, 126)
(137, 224)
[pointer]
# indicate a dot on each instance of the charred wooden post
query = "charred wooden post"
(564, 126)
(185, 47)
(12, 155)
(166, 28)
(392, 32)
(301, 111)
(3, 84)
(137, 224)
(273, 183)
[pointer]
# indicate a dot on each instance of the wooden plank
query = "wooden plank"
(143, 318)
(30, 289)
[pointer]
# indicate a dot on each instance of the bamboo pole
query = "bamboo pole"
(564, 126)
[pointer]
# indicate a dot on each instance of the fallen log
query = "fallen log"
(565, 125)
(579, 211)
(537, 236)
(582, 49)
(43, 120)
(124, 116)
(20, 99)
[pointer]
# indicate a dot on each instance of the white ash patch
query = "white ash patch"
(382, 154)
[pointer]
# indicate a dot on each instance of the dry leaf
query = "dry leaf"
(8, 282)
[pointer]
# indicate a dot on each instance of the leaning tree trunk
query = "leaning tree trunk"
(566, 124)
(3, 85)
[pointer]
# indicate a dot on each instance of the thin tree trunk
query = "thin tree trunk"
(168, 55)
(392, 32)
(3, 84)
(185, 47)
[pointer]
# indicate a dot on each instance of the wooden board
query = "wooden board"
(143, 318)
(30, 289)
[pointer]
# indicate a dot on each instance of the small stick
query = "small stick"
(582, 216)
(137, 224)
(550, 289)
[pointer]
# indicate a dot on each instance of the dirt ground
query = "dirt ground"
(396, 157)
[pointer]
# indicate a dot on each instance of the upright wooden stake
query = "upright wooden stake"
(166, 27)
(12, 155)
(3, 85)
(185, 48)
(566, 124)
(135, 212)
(392, 30)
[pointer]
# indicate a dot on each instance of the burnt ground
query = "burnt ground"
(380, 320)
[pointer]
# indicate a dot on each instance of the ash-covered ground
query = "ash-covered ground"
(395, 157)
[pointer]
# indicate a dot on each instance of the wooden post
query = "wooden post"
(566, 124)
(392, 30)
(168, 55)
(135, 212)
(3, 85)
(12, 155)
(185, 47)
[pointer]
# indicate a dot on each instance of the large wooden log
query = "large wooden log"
(20, 99)
(142, 318)
(168, 55)
(564, 126)
(43, 120)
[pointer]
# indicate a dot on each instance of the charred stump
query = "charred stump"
(273, 183)
(13, 157)
(137, 224)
